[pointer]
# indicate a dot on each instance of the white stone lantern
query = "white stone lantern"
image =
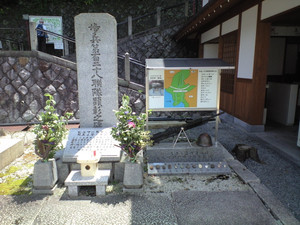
(88, 163)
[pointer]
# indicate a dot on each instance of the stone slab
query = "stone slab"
(10, 149)
(275, 206)
(96, 53)
(122, 209)
(87, 140)
(183, 152)
(220, 208)
(245, 174)
(75, 178)
(20, 209)
(204, 168)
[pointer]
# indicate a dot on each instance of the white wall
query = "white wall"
(281, 102)
(230, 25)
(210, 50)
(276, 56)
(247, 43)
(274, 7)
(210, 34)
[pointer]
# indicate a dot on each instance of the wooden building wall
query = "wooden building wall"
(247, 98)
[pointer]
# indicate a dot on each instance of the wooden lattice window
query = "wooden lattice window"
(229, 56)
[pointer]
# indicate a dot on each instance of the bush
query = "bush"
(130, 130)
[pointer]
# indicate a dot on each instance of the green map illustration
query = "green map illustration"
(178, 87)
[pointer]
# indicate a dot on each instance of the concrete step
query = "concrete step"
(10, 149)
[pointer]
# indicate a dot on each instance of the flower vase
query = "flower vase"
(44, 177)
(133, 176)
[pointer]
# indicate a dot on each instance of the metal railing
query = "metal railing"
(66, 39)
(153, 19)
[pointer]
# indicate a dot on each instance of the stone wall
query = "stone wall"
(26, 76)
(154, 43)
(24, 79)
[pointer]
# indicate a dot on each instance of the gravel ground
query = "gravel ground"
(281, 176)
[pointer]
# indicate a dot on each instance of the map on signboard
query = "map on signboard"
(179, 89)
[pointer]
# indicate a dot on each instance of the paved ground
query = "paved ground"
(241, 198)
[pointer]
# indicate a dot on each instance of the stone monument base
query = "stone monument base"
(164, 159)
(75, 180)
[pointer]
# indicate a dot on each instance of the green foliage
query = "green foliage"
(50, 131)
(130, 130)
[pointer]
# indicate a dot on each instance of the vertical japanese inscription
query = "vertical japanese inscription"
(96, 78)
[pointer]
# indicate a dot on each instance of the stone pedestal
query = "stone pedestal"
(133, 176)
(75, 180)
(44, 177)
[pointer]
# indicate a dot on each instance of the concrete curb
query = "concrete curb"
(245, 175)
(276, 208)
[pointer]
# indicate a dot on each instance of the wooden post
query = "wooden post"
(33, 36)
(66, 47)
(127, 67)
(129, 25)
(158, 16)
(9, 45)
(186, 8)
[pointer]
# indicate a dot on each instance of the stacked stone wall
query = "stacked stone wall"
(24, 79)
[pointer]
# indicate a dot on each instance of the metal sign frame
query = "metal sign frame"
(188, 64)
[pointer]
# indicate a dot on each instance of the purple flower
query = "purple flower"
(126, 112)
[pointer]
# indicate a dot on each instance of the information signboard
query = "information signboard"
(183, 89)
(53, 24)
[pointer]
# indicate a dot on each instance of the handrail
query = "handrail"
(57, 35)
(151, 13)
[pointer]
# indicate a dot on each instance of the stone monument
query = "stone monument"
(96, 52)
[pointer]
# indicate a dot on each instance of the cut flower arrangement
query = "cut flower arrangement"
(130, 130)
(50, 131)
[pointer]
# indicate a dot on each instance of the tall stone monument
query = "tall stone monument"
(96, 53)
